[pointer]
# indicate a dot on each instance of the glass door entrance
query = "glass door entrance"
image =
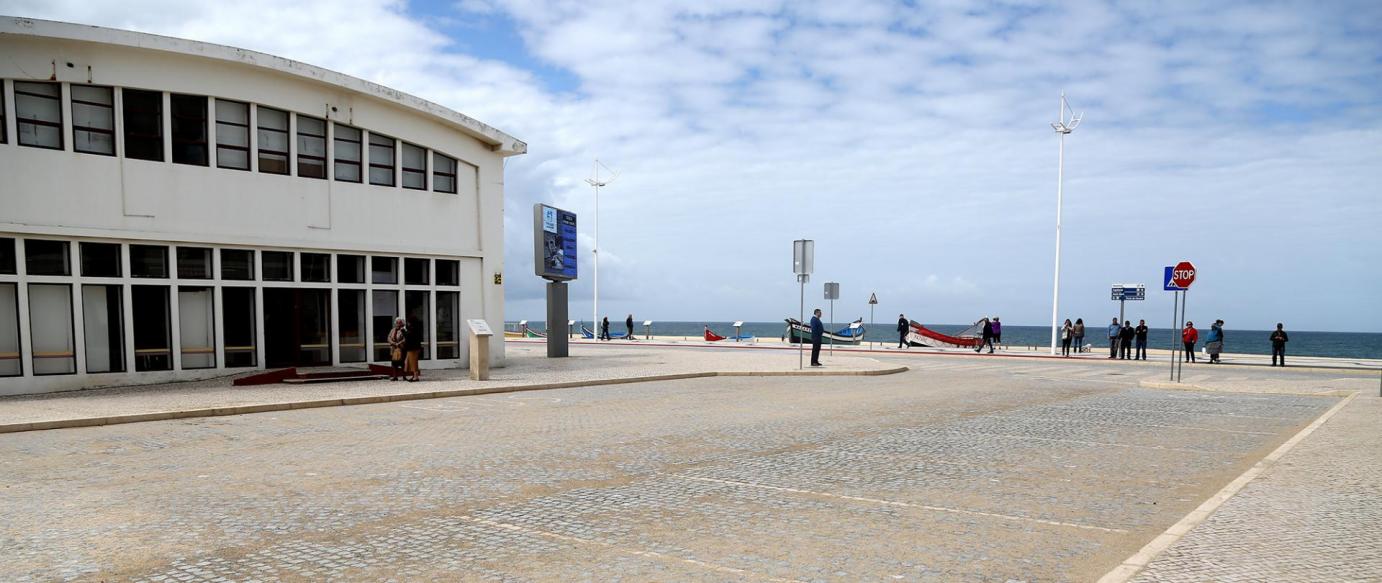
(297, 327)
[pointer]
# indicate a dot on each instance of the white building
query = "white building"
(171, 209)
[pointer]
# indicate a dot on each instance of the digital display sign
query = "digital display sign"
(555, 243)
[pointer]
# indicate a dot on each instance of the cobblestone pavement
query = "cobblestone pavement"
(1314, 516)
(948, 472)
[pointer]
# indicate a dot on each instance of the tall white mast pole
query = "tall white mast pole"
(1062, 128)
(595, 308)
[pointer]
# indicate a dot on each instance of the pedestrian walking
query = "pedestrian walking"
(412, 344)
(817, 330)
(397, 337)
(1114, 331)
(604, 328)
(1279, 340)
(1067, 332)
(1078, 332)
(902, 327)
(628, 323)
(1189, 336)
(986, 337)
(1125, 337)
(1141, 340)
(1214, 342)
(997, 332)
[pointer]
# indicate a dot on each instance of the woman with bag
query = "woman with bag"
(1066, 334)
(397, 337)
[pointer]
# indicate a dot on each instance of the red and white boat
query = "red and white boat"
(923, 336)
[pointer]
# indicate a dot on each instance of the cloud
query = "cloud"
(905, 138)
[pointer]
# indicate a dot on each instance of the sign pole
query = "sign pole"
(832, 325)
(1184, 299)
(1175, 305)
(801, 317)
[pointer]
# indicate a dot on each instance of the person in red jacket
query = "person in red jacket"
(1189, 336)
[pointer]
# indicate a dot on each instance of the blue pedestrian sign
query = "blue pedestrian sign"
(1169, 279)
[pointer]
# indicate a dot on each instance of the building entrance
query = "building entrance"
(297, 327)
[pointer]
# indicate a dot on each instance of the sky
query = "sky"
(910, 140)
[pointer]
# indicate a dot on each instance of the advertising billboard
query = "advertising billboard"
(554, 241)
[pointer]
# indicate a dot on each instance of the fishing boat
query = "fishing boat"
(711, 336)
(851, 334)
(524, 331)
(588, 335)
(922, 336)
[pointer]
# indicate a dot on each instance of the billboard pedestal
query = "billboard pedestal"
(557, 345)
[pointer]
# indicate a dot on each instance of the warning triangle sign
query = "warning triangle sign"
(873, 299)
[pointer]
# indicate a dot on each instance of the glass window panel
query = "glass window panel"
(351, 314)
(415, 271)
(278, 265)
(237, 264)
(4, 136)
(148, 261)
(189, 129)
(347, 153)
(384, 269)
(385, 310)
(419, 314)
(273, 140)
(93, 119)
(100, 259)
(38, 113)
(315, 266)
(448, 324)
(314, 326)
(232, 134)
(381, 160)
(311, 147)
(47, 257)
(143, 113)
(194, 263)
(50, 329)
(448, 272)
(239, 320)
(153, 338)
(350, 269)
(10, 363)
(8, 263)
(197, 327)
(103, 327)
(443, 173)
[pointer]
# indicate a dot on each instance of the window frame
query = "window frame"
(336, 159)
(412, 171)
(437, 172)
(260, 150)
(20, 121)
(245, 127)
(138, 137)
(301, 136)
(179, 122)
(76, 145)
(392, 166)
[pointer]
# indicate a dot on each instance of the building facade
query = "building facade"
(174, 210)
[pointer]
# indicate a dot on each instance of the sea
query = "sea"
(1362, 345)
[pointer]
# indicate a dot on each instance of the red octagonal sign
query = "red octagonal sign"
(1184, 274)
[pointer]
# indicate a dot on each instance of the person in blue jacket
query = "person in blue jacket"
(1214, 342)
(1115, 331)
(817, 329)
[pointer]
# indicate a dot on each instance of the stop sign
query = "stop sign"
(1184, 274)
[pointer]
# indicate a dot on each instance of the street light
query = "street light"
(803, 262)
(1063, 126)
(596, 183)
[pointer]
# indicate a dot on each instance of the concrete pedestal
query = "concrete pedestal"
(557, 344)
(479, 349)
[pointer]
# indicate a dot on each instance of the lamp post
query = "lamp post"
(597, 184)
(803, 260)
(1063, 127)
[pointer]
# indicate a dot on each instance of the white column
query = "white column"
(167, 126)
(127, 299)
(64, 105)
(254, 138)
(259, 320)
(78, 310)
(26, 348)
(292, 143)
(218, 309)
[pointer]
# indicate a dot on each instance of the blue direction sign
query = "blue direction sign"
(1168, 280)
(1129, 292)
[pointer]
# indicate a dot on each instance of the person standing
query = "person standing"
(1214, 342)
(997, 332)
(1125, 337)
(628, 323)
(1114, 330)
(412, 343)
(1066, 334)
(986, 336)
(817, 330)
(397, 337)
(1189, 336)
(1141, 332)
(604, 328)
(1078, 332)
(1279, 340)
(902, 326)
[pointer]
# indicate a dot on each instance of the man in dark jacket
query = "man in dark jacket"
(817, 330)
(1279, 340)
(1141, 345)
(986, 337)
(902, 326)
(1125, 337)
(604, 328)
(628, 323)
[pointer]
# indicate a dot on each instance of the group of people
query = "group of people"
(604, 328)
(990, 334)
(405, 348)
(1072, 334)
(1126, 342)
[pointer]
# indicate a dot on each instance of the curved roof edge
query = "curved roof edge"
(498, 141)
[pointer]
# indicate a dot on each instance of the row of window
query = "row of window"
(48, 257)
(52, 337)
(39, 119)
